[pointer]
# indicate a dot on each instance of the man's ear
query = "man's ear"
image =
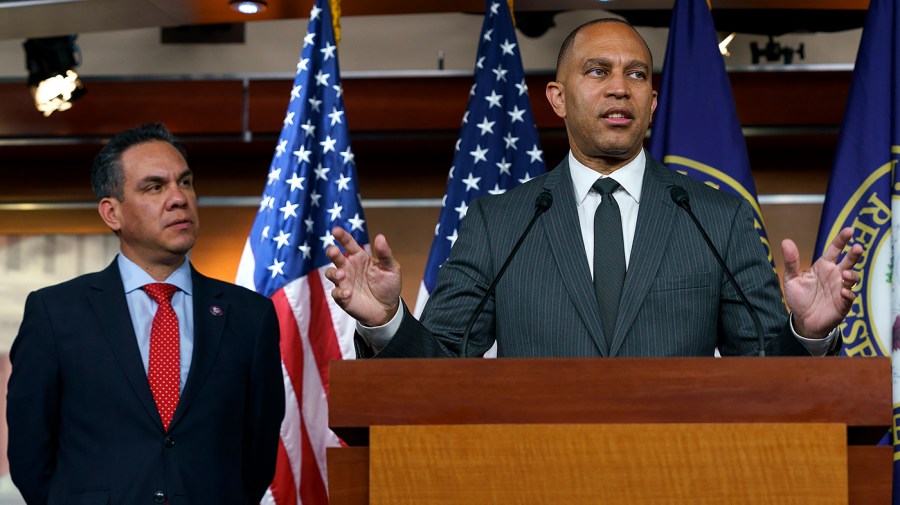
(557, 98)
(109, 213)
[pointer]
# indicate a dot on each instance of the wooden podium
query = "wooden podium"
(623, 431)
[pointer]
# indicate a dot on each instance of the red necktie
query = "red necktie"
(164, 370)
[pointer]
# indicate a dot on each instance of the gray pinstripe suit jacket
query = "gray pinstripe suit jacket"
(676, 300)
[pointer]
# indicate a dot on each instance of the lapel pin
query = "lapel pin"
(215, 310)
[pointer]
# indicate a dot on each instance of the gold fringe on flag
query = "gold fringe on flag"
(512, 13)
(336, 19)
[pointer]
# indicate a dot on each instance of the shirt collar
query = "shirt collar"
(134, 277)
(630, 177)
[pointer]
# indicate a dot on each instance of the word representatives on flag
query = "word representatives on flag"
(311, 187)
(498, 146)
(864, 193)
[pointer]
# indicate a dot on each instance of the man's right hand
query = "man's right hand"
(367, 287)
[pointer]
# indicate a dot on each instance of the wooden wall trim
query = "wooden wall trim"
(188, 107)
(215, 107)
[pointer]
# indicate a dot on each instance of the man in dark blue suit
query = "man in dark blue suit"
(118, 398)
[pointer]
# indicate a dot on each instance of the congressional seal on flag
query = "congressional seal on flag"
(868, 328)
(863, 193)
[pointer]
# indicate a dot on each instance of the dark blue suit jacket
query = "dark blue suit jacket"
(83, 426)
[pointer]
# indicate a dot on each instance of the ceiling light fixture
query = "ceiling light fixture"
(248, 6)
(723, 46)
(51, 63)
(13, 4)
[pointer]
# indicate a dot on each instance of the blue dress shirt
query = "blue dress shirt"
(142, 309)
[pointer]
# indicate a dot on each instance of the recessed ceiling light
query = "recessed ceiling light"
(248, 6)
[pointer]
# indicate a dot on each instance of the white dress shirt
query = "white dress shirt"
(631, 179)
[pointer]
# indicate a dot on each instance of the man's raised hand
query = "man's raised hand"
(366, 286)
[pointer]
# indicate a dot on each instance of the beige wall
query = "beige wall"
(370, 43)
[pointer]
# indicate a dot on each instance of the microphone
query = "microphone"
(680, 197)
(543, 202)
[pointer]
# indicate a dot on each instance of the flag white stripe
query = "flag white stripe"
(344, 325)
(314, 400)
(290, 427)
(246, 267)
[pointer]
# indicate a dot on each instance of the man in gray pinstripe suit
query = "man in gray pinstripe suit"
(675, 300)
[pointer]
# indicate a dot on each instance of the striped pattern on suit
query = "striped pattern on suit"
(676, 301)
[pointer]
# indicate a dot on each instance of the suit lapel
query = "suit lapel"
(210, 314)
(563, 232)
(107, 299)
(654, 225)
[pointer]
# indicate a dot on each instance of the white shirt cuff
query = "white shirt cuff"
(815, 346)
(379, 336)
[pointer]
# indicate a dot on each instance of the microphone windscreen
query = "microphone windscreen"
(679, 196)
(544, 201)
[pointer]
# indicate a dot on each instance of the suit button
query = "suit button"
(169, 442)
(159, 497)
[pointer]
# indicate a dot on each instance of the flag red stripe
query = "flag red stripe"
(284, 492)
(322, 338)
(312, 485)
(291, 347)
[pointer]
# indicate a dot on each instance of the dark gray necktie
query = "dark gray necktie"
(609, 255)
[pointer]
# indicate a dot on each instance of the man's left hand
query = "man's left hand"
(820, 297)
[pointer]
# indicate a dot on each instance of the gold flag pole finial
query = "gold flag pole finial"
(336, 19)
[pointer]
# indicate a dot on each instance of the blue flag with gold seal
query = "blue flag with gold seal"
(695, 129)
(863, 194)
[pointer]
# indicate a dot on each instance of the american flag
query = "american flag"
(311, 187)
(498, 146)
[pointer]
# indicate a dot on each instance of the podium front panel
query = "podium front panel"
(594, 464)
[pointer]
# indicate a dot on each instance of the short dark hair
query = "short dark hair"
(107, 173)
(566, 49)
